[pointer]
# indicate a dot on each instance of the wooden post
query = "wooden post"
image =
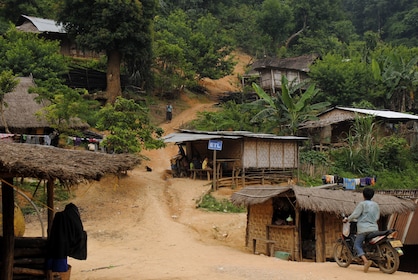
(320, 237)
(8, 229)
(50, 203)
(214, 175)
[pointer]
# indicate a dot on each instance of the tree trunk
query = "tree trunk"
(113, 89)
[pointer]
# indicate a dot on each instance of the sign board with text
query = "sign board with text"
(215, 145)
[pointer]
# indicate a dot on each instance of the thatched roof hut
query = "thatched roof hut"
(20, 112)
(68, 166)
(321, 200)
(48, 163)
(316, 214)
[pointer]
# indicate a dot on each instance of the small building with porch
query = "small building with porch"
(315, 213)
(240, 157)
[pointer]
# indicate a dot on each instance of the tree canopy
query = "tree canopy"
(121, 29)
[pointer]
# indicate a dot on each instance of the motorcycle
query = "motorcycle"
(381, 247)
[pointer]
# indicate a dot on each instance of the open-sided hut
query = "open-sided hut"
(51, 164)
(244, 156)
(316, 215)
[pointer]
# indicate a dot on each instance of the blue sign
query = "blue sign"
(215, 145)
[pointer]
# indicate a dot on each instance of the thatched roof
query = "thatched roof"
(21, 109)
(68, 166)
(320, 200)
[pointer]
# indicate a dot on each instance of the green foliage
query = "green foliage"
(8, 82)
(393, 153)
(210, 203)
(66, 104)
(313, 157)
(129, 127)
(186, 50)
(342, 80)
(289, 108)
(276, 20)
(26, 54)
(121, 29)
(231, 116)
(396, 68)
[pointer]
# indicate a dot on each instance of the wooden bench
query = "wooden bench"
(200, 172)
(269, 245)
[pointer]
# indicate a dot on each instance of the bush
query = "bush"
(212, 204)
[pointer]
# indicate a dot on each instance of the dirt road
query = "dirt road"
(146, 226)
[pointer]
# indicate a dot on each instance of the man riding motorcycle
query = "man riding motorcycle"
(367, 214)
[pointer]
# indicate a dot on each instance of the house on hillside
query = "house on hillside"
(21, 117)
(51, 30)
(315, 214)
(240, 157)
(271, 70)
(334, 125)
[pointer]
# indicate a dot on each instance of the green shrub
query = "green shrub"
(210, 203)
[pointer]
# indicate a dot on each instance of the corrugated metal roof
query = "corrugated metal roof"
(184, 137)
(191, 135)
(45, 25)
(382, 113)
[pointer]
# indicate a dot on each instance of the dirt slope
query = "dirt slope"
(146, 226)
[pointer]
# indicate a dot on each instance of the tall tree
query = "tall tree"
(122, 29)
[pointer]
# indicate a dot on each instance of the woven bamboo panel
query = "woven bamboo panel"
(284, 238)
(289, 155)
(250, 154)
(260, 216)
(263, 154)
(333, 229)
(276, 155)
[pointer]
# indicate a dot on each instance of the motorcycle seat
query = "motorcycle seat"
(379, 233)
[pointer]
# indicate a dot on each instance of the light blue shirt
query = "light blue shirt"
(367, 214)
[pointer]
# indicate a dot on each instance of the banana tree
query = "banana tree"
(298, 108)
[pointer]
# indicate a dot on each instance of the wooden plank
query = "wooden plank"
(8, 228)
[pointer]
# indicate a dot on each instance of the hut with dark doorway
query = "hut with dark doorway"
(240, 157)
(303, 223)
(51, 164)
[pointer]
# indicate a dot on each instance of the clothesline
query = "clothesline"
(349, 183)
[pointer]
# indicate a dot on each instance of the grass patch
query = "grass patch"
(210, 203)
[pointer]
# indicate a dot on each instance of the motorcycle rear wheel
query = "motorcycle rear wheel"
(390, 262)
(342, 254)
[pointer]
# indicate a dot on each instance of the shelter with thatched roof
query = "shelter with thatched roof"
(51, 164)
(316, 215)
(21, 110)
